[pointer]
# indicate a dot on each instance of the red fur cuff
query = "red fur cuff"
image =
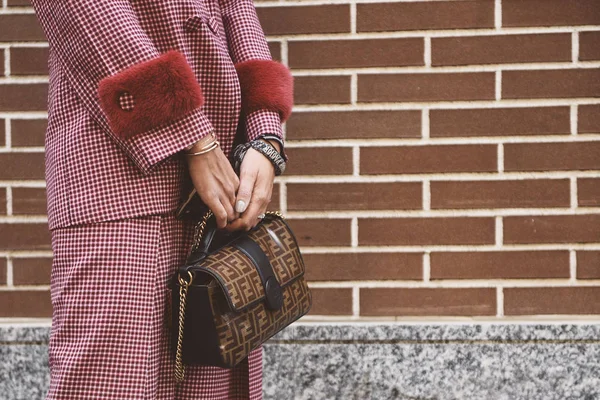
(148, 94)
(266, 84)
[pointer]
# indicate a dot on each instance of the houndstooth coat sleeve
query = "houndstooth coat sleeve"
(132, 83)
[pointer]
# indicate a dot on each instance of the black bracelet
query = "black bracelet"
(265, 149)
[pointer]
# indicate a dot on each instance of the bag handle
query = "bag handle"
(206, 231)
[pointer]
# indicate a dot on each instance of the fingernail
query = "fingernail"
(240, 206)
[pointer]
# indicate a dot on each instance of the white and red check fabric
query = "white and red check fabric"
(110, 327)
(111, 198)
(92, 173)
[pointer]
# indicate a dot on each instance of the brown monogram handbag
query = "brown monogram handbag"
(235, 291)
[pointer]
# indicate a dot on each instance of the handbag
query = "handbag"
(235, 291)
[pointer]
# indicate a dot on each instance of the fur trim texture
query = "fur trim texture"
(162, 89)
(266, 84)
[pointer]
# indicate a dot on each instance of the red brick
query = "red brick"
(28, 132)
(356, 53)
(2, 271)
(425, 231)
(321, 232)
(20, 3)
(428, 159)
(331, 301)
(551, 156)
(588, 265)
(29, 201)
(29, 61)
(552, 229)
(550, 12)
(354, 196)
(326, 18)
(589, 118)
(426, 87)
(31, 271)
(427, 301)
(551, 300)
(25, 304)
(500, 265)
(2, 132)
(405, 16)
(3, 201)
(319, 161)
(24, 236)
(363, 266)
(542, 84)
(501, 49)
(20, 166)
(500, 194)
(321, 90)
(500, 122)
(20, 28)
(354, 125)
(23, 96)
(588, 46)
(588, 192)
(275, 50)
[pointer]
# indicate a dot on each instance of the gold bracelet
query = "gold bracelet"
(206, 146)
(205, 149)
(212, 134)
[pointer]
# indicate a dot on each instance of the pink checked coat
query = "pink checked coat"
(133, 83)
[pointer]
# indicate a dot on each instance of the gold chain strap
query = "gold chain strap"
(183, 289)
(199, 230)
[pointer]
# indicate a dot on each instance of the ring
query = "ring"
(261, 216)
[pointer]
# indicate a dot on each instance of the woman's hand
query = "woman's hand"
(216, 183)
(254, 194)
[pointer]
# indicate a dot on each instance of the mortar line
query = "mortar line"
(499, 234)
(573, 266)
(9, 272)
(7, 55)
(356, 301)
(574, 117)
(427, 266)
(573, 192)
(9, 201)
(499, 301)
(575, 47)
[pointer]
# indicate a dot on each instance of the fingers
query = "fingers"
(217, 183)
(218, 210)
(228, 206)
(248, 178)
(261, 196)
(227, 199)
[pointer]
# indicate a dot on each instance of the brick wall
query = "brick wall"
(444, 156)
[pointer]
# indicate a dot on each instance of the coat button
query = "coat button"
(126, 101)
(213, 25)
(194, 23)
